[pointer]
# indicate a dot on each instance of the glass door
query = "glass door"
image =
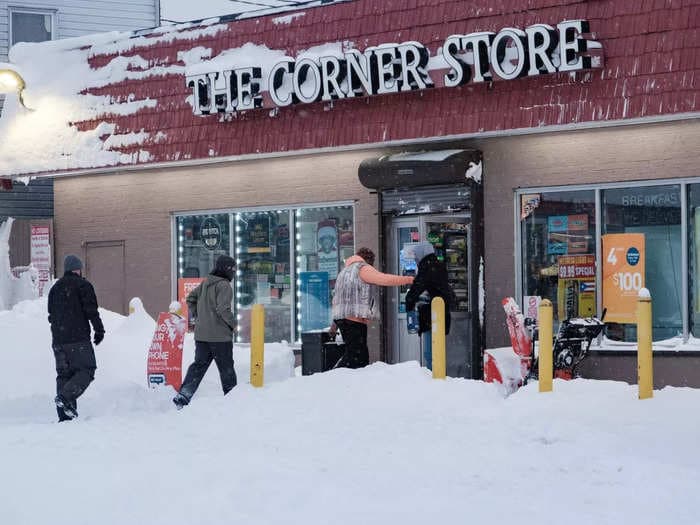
(450, 236)
(402, 345)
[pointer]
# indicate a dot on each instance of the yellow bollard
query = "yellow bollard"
(257, 345)
(645, 365)
(437, 308)
(546, 353)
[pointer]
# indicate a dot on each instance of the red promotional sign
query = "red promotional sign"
(165, 354)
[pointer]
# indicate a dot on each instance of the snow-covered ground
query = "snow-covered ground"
(385, 445)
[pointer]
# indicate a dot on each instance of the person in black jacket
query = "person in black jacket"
(72, 308)
(430, 282)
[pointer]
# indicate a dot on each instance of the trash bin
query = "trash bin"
(312, 351)
(319, 352)
(332, 353)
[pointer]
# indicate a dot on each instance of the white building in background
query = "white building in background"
(40, 20)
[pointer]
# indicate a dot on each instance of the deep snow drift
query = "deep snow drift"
(27, 388)
(384, 445)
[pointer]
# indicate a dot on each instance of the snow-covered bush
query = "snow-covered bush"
(14, 289)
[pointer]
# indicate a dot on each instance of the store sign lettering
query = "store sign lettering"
(659, 199)
(393, 68)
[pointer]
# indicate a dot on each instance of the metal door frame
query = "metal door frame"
(420, 220)
(395, 321)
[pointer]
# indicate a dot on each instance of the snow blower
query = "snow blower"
(570, 347)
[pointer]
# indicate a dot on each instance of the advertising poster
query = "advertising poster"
(576, 286)
(40, 247)
(577, 241)
(315, 296)
(531, 305)
(528, 204)
(164, 365)
(211, 234)
(327, 248)
(257, 234)
(623, 275)
(184, 286)
(557, 238)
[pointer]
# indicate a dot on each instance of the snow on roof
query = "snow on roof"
(59, 78)
(69, 125)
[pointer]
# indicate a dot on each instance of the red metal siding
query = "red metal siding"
(652, 61)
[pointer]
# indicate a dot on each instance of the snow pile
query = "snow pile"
(57, 74)
(120, 381)
(13, 289)
(386, 444)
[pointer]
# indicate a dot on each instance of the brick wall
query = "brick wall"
(136, 207)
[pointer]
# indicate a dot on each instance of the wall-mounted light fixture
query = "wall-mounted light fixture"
(12, 82)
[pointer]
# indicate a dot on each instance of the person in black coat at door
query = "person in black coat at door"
(72, 308)
(430, 282)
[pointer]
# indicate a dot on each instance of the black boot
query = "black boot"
(180, 401)
(68, 408)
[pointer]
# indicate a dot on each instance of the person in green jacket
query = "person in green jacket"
(210, 304)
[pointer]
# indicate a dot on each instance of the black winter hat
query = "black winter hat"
(225, 267)
(72, 263)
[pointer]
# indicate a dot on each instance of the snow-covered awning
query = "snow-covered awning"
(421, 168)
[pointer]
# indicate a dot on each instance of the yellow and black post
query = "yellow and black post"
(437, 308)
(645, 366)
(257, 345)
(546, 354)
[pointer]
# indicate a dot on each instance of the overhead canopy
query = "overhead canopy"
(422, 168)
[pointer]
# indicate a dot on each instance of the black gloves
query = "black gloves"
(99, 336)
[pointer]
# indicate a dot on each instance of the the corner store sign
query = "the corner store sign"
(392, 68)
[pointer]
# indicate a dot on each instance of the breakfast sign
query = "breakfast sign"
(393, 68)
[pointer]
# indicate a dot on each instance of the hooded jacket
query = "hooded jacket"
(356, 293)
(431, 278)
(211, 304)
(72, 308)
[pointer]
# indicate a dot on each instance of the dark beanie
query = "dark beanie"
(72, 263)
(225, 267)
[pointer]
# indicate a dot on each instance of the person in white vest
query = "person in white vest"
(356, 303)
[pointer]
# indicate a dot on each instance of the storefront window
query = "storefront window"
(558, 252)
(269, 262)
(648, 254)
(264, 272)
(325, 240)
(200, 240)
(694, 257)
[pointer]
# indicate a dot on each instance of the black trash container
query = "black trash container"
(319, 352)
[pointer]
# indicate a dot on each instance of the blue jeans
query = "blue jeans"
(427, 340)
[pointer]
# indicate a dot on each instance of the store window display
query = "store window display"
(264, 272)
(288, 261)
(648, 219)
(201, 239)
(558, 251)
(694, 257)
(325, 239)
